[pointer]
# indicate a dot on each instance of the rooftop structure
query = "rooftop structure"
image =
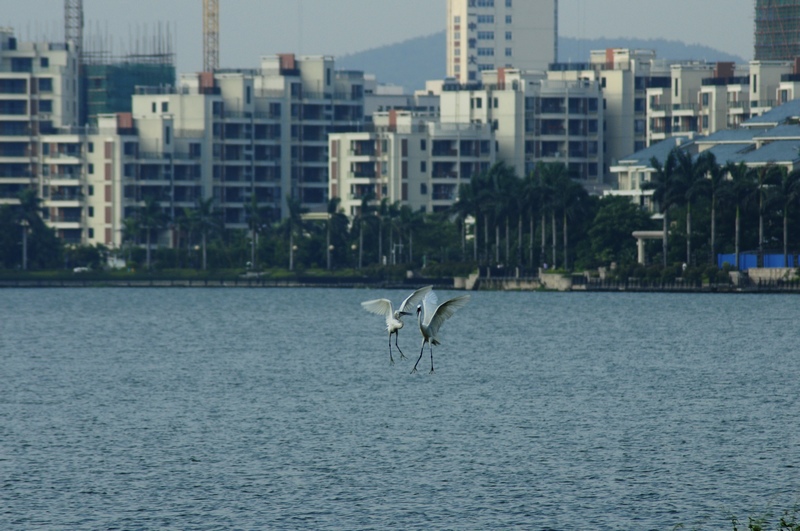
(777, 35)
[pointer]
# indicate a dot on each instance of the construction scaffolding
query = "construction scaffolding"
(777, 31)
(110, 79)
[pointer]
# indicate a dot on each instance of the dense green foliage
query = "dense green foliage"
(500, 220)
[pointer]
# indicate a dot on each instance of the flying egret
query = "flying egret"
(433, 318)
(394, 319)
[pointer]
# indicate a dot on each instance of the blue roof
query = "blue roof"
(659, 151)
(725, 153)
(741, 135)
(777, 115)
(782, 131)
(781, 151)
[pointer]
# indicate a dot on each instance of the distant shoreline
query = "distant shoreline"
(510, 284)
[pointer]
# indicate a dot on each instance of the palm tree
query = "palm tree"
(292, 224)
(662, 184)
(364, 213)
(530, 196)
(689, 183)
(464, 207)
(204, 219)
(766, 176)
(570, 197)
(738, 192)
(716, 181)
(256, 218)
(551, 174)
(29, 217)
(787, 193)
(151, 218)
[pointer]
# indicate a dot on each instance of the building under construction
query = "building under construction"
(777, 30)
(109, 80)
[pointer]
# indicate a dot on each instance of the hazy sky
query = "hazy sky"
(252, 28)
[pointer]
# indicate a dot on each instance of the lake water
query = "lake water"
(278, 409)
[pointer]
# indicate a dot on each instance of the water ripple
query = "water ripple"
(252, 409)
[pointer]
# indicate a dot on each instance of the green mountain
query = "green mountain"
(410, 63)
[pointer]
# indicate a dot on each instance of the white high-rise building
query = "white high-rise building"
(491, 34)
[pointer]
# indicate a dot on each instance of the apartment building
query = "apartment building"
(490, 34)
(705, 98)
(408, 158)
(39, 95)
(259, 134)
(624, 76)
(237, 136)
(772, 138)
(535, 119)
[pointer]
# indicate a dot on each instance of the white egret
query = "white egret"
(394, 319)
(433, 318)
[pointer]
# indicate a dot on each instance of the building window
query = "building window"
(423, 166)
(154, 108)
(164, 106)
(46, 84)
(485, 19)
(508, 19)
(508, 35)
(91, 233)
(91, 190)
(456, 35)
(456, 20)
(509, 53)
(423, 144)
(46, 106)
(508, 3)
(485, 35)
(91, 169)
(485, 52)
(91, 212)
(755, 83)
(423, 188)
(705, 99)
(44, 62)
(167, 134)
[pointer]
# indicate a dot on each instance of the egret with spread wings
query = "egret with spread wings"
(394, 319)
(431, 316)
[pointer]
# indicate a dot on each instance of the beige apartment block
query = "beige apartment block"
(39, 96)
(535, 119)
(489, 34)
(408, 158)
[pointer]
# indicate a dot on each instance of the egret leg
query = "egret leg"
(391, 359)
(431, 345)
(420, 357)
(397, 335)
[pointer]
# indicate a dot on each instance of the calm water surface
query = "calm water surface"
(278, 409)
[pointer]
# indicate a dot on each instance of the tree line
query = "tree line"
(500, 220)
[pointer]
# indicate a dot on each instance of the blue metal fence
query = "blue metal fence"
(749, 260)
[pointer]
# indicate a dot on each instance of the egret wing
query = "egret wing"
(380, 307)
(445, 311)
(429, 304)
(410, 303)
